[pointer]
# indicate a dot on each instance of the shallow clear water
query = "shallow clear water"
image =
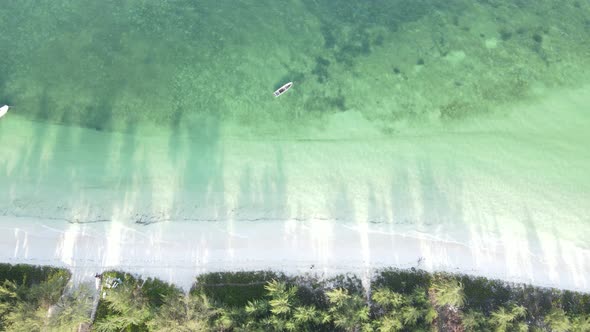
(443, 118)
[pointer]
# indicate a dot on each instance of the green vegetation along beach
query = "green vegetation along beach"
(37, 298)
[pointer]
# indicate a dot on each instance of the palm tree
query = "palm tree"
(128, 306)
(73, 310)
(49, 291)
(420, 296)
(25, 308)
(338, 296)
(257, 308)
(411, 315)
(227, 318)
(109, 324)
(274, 323)
(518, 311)
(473, 320)
(8, 299)
(306, 315)
(387, 299)
(397, 311)
(349, 312)
(281, 311)
(192, 312)
(430, 315)
(281, 297)
(389, 324)
(26, 316)
(581, 324)
(558, 321)
(448, 292)
(502, 319)
(522, 327)
(280, 305)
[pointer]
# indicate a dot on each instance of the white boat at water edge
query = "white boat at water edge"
(3, 110)
(283, 89)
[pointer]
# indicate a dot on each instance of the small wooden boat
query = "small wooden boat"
(3, 110)
(283, 89)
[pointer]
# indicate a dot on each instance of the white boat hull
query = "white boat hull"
(3, 110)
(283, 89)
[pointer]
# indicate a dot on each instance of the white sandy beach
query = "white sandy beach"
(177, 252)
(504, 196)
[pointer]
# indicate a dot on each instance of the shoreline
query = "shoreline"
(172, 254)
(504, 199)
